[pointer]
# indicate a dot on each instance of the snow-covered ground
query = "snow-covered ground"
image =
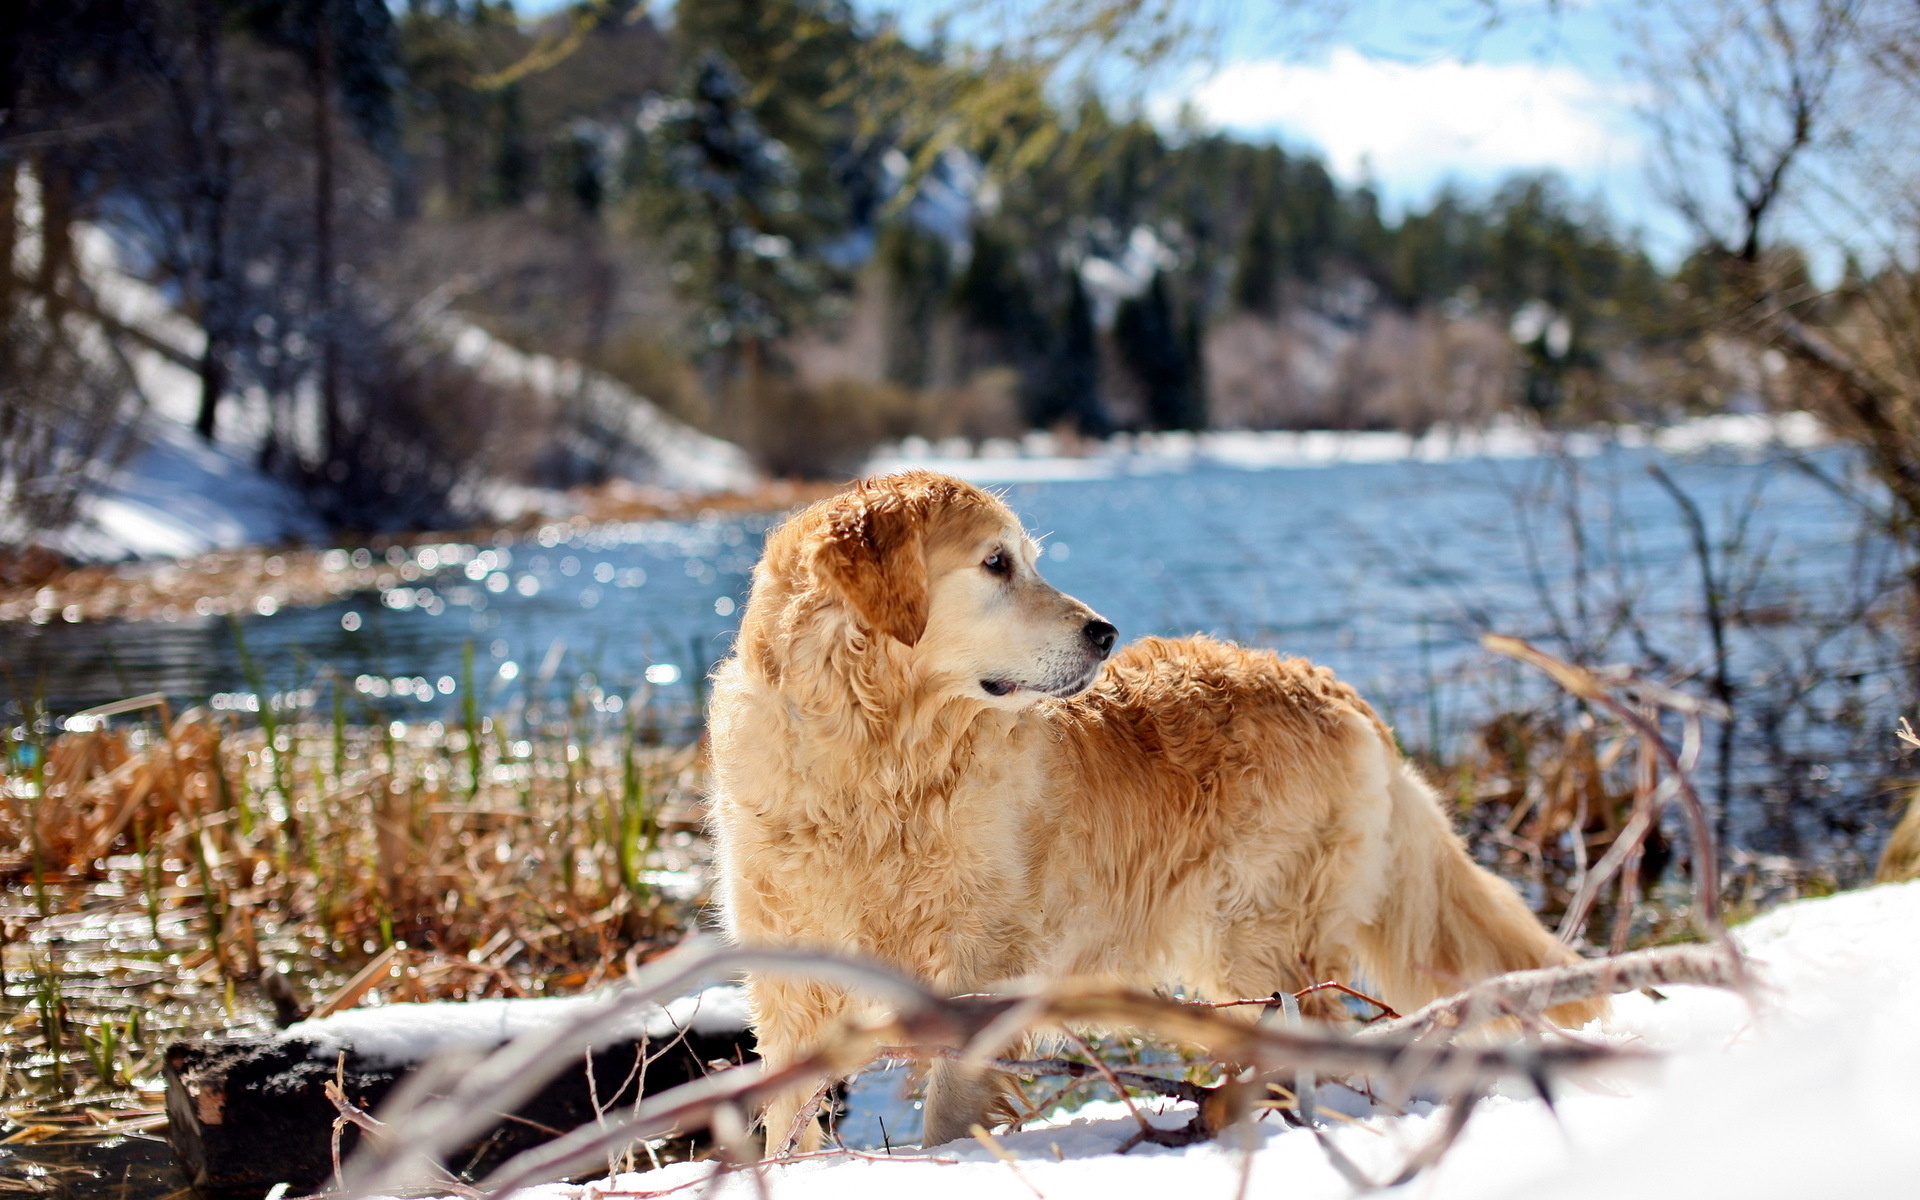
(1813, 1092)
(1040, 457)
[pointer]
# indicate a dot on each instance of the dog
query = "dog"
(926, 755)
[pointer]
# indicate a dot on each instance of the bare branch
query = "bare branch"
(1526, 993)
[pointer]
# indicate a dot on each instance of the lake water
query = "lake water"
(1387, 572)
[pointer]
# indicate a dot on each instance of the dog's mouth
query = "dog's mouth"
(1066, 691)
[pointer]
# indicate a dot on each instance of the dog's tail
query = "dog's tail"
(1445, 922)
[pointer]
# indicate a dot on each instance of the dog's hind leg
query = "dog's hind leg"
(1444, 922)
(1258, 958)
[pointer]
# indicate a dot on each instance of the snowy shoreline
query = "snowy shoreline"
(242, 560)
(1042, 457)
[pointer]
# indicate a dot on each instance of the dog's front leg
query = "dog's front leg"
(958, 1098)
(789, 1018)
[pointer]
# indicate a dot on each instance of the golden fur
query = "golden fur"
(1900, 861)
(910, 765)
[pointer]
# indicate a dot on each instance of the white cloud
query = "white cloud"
(1415, 124)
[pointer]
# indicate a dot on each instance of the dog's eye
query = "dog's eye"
(999, 563)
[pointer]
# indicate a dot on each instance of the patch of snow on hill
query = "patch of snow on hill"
(176, 494)
(665, 452)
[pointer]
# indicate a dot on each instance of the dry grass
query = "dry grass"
(166, 874)
(1544, 793)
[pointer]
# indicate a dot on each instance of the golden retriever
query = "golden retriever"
(924, 754)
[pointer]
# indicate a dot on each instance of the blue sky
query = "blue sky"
(1414, 94)
(1408, 95)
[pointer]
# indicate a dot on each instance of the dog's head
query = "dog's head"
(934, 573)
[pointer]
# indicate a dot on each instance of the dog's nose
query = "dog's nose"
(1101, 635)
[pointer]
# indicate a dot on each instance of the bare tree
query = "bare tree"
(1786, 129)
(1745, 93)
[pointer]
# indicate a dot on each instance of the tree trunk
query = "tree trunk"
(56, 233)
(9, 240)
(247, 1112)
(214, 186)
(323, 265)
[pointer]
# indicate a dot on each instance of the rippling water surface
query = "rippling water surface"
(1387, 572)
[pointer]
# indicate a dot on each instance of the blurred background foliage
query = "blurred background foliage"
(783, 222)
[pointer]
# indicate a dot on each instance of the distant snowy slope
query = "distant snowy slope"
(662, 451)
(1040, 457)
(175, 494)
(1816, 1093)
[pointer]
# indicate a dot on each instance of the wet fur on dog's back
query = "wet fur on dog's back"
(910, 765)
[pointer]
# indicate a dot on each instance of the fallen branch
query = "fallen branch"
(1044, 1068)
(1528, 993)
(1331, 985)
(1407, 1052)
(1458, 1113)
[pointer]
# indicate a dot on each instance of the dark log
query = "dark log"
(246, 1113)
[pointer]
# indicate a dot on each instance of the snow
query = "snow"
(1811, 1091)
(399, 1034)
(1039, 458)
(670, 454)
(173, 494)
(176, 495)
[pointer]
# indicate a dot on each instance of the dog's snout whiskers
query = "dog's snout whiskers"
(1101, 635)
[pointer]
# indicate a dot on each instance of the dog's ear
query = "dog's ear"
(874, 555)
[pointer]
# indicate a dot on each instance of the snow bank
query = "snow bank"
(1038, 457)
(1814, 1093)
(398, 1034)
(176, 495)
(667, 453)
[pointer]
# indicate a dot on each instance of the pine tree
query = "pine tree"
(351, 56)
(1069, 388)
(726, 188)
(1256, 280)
(1157, 349)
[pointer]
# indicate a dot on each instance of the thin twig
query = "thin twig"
(1523, 993)
(1119, 1089)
